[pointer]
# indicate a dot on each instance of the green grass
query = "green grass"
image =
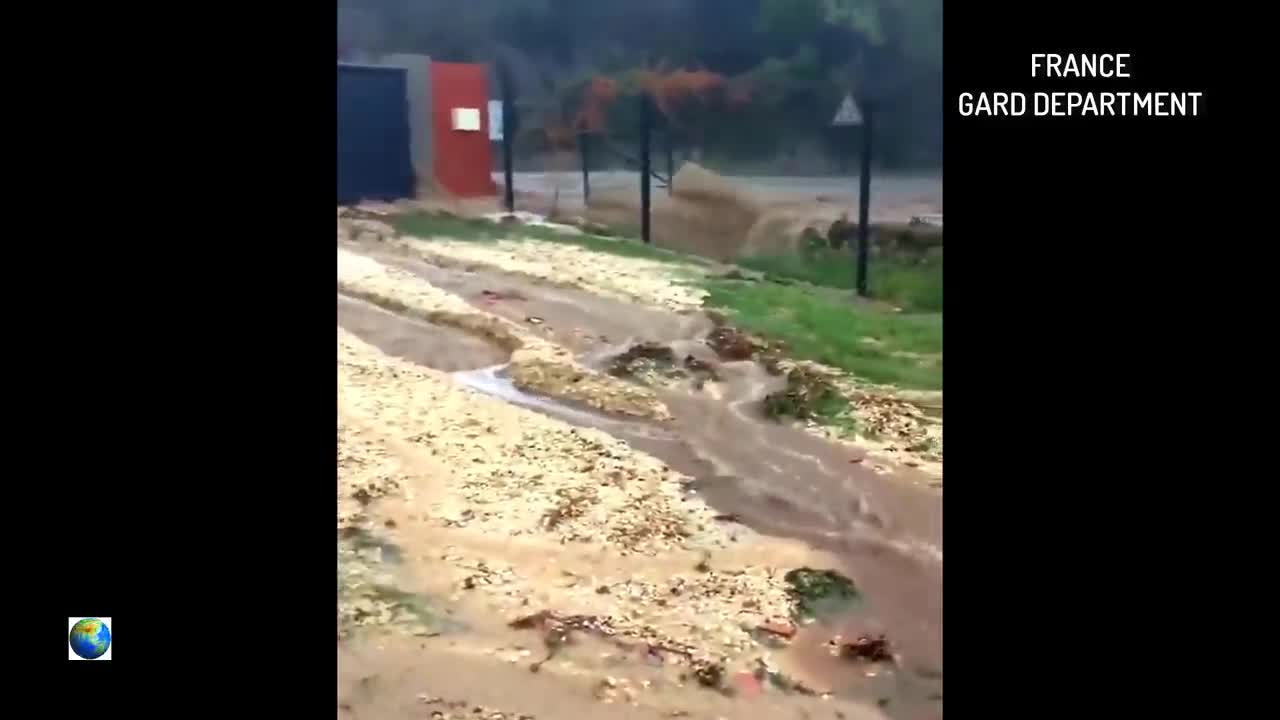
(914, 285)
(820, 593)
(825, 323)
(835, 329)
(427, 225)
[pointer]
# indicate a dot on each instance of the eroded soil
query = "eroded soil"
(492, 502)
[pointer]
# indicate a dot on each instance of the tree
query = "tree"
(793, 59)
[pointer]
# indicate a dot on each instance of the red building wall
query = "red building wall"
(461, 160)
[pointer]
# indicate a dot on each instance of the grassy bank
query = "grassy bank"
(804, 300)
(913, 284)
(831, 327)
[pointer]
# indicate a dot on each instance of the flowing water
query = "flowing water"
(770, 477)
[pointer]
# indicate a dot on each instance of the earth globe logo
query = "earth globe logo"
(90, 638)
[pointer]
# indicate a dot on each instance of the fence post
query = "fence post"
(645, 167)
(584, 150)
(508, 129)
(864, 199)
(671, 162)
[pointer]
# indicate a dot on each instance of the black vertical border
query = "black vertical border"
(173, 387)
(1086, 252)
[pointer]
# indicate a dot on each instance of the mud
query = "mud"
(434, 538)
(885, 531)
(784, 482)
(394, 678)
(775, 479)
(435, 346)
(583, 322)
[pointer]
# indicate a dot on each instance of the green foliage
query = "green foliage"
(820, 593)
(802, 55)
(791, 21)
(834, 328)
(861, 15)
(914, 284)
(826, 324)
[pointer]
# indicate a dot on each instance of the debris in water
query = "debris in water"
(642, 359)
(693, 364)
(731, 343)
(820, 592)
(534, 320)
(808, 395)
(495, 296)
(841, 232)
(867, 649)
(709, 674)
(729, 517)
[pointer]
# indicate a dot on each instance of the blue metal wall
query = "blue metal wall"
(373, 134)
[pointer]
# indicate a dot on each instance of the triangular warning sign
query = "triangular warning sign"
(848, 114)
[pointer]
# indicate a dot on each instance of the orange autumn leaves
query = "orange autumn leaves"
(673, 93)
(601, 92)
(676, 90)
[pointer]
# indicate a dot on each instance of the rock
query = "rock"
(781, 628)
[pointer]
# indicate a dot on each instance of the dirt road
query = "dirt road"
(472, 495)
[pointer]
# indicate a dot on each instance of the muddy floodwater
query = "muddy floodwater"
(760, 474)
(436, 346)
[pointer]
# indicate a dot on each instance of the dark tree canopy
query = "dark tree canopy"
(799, 58)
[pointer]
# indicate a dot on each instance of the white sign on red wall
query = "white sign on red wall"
(495, 120)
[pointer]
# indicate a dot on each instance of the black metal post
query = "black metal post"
(671, 162)
(646, 122)
(584, 150)
(864, 200)
(508, 130)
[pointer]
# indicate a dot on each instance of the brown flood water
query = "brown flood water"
(772, 478)
(437, 346)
